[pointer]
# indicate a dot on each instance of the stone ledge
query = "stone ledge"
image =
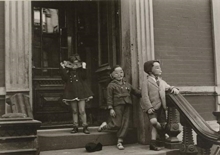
(19, 136)
(63, 139)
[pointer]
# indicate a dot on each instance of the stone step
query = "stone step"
(60, 139)
(130, 149)
(19, 152)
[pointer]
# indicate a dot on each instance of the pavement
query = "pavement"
(130, 149)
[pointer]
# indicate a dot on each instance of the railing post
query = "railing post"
(187, 146)
(204, 146)
(172, 128)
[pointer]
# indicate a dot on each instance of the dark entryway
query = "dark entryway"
(89, 28)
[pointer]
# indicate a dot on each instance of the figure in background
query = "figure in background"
(77, 91)
(119, 104)
(153, 100)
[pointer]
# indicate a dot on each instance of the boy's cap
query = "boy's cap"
(113, 68)
(92, 147)
(148, 65)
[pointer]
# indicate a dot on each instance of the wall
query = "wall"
(184, 45)
(183, 41)
(2, 58)
(2, 45)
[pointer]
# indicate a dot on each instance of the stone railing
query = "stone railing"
(181, 112)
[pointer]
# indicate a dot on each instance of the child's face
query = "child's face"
(118, 74)
(156, 70)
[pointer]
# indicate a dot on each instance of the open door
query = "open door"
(89, 28)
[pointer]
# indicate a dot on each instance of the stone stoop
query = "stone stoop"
(60, 139)
(130, 149)
(18, 136)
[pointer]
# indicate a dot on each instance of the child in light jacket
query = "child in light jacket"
(153, 99)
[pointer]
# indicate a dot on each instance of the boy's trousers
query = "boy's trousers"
(121, 121)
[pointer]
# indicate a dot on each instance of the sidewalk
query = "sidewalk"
(130, 149)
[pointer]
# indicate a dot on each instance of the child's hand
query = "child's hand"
(62, 65)
(175, 91)
(151, 111)
(83, 65)
(112, 113)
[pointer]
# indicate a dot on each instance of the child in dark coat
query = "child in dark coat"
(77, 91)
(153, 99)
(119, 104)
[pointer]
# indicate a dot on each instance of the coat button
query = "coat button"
(76, 80)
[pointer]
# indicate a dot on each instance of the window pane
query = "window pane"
(50, 21)
(50, 51)
(36, 20)
(36, 57)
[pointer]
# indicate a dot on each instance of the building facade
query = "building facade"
(36, 36)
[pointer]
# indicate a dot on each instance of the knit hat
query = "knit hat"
(148, 65)
(92, 147)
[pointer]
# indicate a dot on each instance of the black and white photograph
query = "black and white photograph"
(110, 77)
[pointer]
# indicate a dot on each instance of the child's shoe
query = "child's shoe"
(75, 129)
(85, 130)
(153, 146)
(120, 146)
(102, 126)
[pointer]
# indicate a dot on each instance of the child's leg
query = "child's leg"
(74, 113)
(154, 133)
(115, 122)
(155, 123)
(156, 126)
(82, 113)
(125, 121)
(75, 116)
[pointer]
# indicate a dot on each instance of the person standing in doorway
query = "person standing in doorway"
(77, 91)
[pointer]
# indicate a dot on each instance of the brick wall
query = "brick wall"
(202, 105)
(183, 41)
(2, 45)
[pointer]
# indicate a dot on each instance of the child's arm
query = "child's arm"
(110, 96)
(172, 89)
(64, 71)
(145, 103)
(135, 92)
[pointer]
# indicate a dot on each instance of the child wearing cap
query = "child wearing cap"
(153, 100)
(119, 104)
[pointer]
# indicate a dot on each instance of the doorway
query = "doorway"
(60, 29)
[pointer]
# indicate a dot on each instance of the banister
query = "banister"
(190, 118)
(200, 126)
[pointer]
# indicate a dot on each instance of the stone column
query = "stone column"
(18, 31)
(172, 128)
(187, 146)
(138, 45)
